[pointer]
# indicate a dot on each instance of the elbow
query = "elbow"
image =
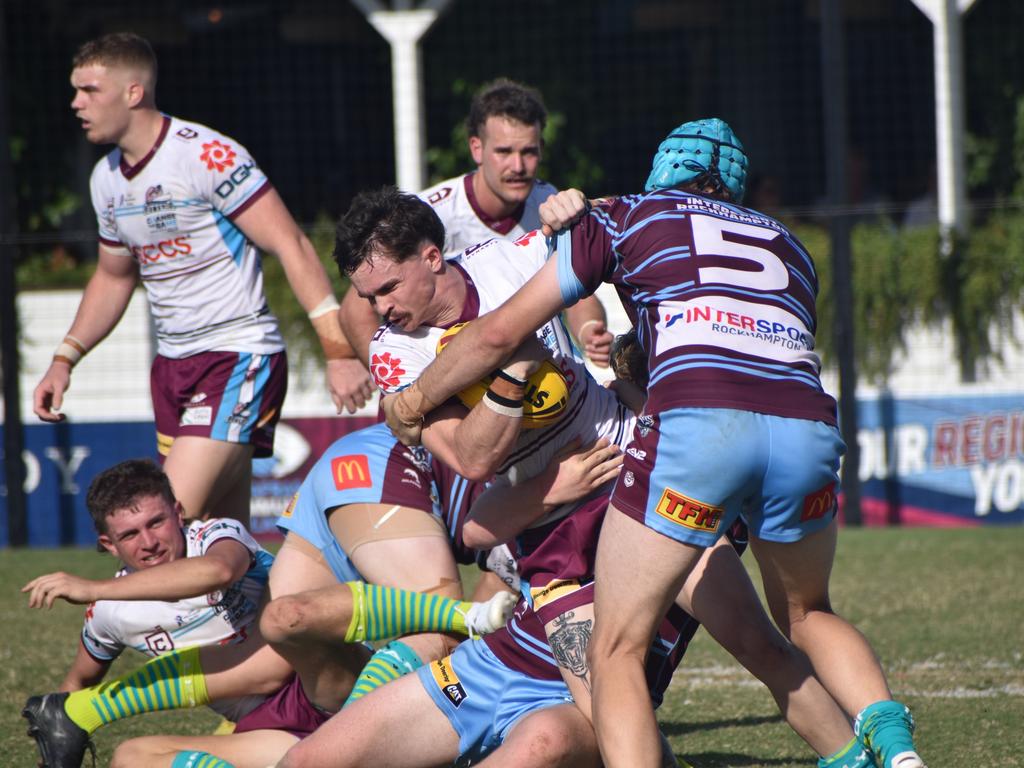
(497, 337)
(477, 471)
(475, 536)
(222, 575)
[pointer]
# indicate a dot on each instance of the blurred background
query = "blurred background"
(888, 133)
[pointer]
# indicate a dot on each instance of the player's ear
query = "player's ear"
(107, 543)
(434, 258)
(180, 512)
(476, 149)
(135, 93)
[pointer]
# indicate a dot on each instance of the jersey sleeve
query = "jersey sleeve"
(100, 637)
(225, 174)
(103, 205)
(202, 535)
(397, 360)
(586, 253)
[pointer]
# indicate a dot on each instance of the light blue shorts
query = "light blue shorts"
(690, 472)
(483, 698)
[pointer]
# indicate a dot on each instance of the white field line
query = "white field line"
(721, 676)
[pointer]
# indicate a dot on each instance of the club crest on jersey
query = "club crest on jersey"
(439, 195)
(386, 370)
(688, 512)
(819, 503)
(217, 156)
(351, 471)
(448, 681)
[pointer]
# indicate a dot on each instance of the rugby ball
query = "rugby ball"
(546, 396)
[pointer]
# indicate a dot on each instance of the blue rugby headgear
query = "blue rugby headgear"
(700, 148)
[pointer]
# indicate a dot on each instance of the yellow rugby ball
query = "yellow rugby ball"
(546, 396)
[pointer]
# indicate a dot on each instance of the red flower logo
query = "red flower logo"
(217, 156)
(386, 370)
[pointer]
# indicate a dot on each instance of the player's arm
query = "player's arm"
(360, 322)
(84, 671)
(503, 511)
(106, 296)
(589, 326)
(224, 563)
(269, 225)
(475, 351)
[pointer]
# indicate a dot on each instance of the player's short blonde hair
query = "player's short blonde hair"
(119, 49)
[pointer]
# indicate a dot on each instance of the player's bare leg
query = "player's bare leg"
(254, 749)
(638, 574)
(555, 737)
(244, 669)
(796, 576)
(719, 594)
(211, 478)
(397, 725)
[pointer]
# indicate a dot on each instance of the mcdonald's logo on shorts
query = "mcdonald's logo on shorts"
(688, 512)
(819, 503)
(448, 681)
(352, 471)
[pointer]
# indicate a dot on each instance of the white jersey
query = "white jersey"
(495, 270)
(466, 225)
(173, 214)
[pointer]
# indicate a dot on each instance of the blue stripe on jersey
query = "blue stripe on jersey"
(259, 387)
(229, 399)
(668, 254)
(794, 272)
(643, 223)
(710, 361)
(530, 644)
(570, 285)
(133, 210)
(458, 491)
(234, 238)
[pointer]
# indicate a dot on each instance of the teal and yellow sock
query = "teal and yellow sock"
(172, 681)
(853, 755)
(388, 663)
(198, 760)
(379, 613)
(886, 728)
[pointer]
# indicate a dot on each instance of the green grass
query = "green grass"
(944, 610)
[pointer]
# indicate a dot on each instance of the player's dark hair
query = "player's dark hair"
(125, 49)
(122, 486)
(505, 98)
(386, 221)
(629, 360)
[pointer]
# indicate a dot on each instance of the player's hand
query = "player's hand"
(562, 209)
(350, 384)
(527, 358)
(596, 341)
(581, 471)
(405, 424)
(49, 393)
(47, 588)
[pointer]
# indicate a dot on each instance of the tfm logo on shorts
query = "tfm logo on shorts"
(688, 512)
(819, 503)
(448, 681)
(351, 471)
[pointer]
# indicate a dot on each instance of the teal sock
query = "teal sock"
(198, 760)
(853, 755)
(388, 663)
(886, 728)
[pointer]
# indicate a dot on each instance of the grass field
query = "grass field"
(943, 608)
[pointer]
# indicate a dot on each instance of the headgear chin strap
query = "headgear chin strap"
(700, 148)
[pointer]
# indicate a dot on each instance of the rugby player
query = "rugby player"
(183, 209)
(724, 300)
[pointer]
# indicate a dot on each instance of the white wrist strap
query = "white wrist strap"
(329, 304)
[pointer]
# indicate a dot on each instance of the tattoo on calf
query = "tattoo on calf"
(569, 643)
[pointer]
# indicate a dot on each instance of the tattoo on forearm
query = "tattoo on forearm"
(569, 643)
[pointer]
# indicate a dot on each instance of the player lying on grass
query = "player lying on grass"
(724, 301)
(188, 596)
(374, 526)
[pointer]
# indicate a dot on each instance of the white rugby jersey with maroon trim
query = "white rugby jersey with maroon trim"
(493, 271)
(466, 225)
(173, 213)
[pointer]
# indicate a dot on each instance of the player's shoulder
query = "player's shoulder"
(198, 145)
(198, 533)
(542, 190)
(442, 196)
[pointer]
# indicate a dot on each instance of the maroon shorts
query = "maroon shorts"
(286, 710)
(230, 396)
